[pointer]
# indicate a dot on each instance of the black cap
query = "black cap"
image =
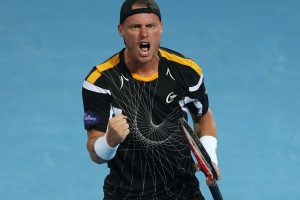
(126, 9)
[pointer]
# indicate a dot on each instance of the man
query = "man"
(132, 105)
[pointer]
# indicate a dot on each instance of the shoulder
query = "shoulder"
(182, 62)
(98, 70)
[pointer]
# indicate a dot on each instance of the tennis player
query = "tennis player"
(132, 104)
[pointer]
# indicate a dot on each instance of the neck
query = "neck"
(143, 69)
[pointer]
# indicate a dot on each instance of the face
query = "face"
(141, 33)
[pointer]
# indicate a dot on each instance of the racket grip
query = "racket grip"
(215, 192)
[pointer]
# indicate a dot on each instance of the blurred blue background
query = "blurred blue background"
(249, 52)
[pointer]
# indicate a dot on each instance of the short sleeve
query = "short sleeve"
(196, 99)
(97, 106)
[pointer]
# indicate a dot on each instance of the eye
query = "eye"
(150, 25)
(135, 26)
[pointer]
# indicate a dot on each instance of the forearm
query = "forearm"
(103, 146)
(99, 149)
(205, 125)
(92, 137)
(205, 128)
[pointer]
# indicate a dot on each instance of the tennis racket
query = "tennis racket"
(201, 156)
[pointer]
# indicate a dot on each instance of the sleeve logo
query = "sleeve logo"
(90, 118)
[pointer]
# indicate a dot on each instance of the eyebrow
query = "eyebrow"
(140, 24)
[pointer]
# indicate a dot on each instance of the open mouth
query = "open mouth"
(144, 47)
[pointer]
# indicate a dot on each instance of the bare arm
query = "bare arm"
(93, 135)
(117, 131)
(205, 125)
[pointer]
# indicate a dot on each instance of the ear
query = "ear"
(120, 29)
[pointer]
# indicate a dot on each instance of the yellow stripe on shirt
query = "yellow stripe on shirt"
(112, 62)
(181, 60)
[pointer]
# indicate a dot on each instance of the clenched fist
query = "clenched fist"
(118, 129)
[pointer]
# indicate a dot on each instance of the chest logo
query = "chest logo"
(170, 98)
(169, 73)
(122, 80)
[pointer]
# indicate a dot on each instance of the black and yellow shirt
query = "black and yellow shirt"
(154, 161)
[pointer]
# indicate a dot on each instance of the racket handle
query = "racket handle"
(215, 192)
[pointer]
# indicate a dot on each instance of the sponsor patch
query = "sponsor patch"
(90, 118)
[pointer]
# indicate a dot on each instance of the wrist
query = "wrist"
(103, 149)
(210, 145)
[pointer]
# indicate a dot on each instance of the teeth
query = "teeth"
(144, 46)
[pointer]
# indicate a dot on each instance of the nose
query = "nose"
(144, 32)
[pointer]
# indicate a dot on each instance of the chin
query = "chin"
(146, 59)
